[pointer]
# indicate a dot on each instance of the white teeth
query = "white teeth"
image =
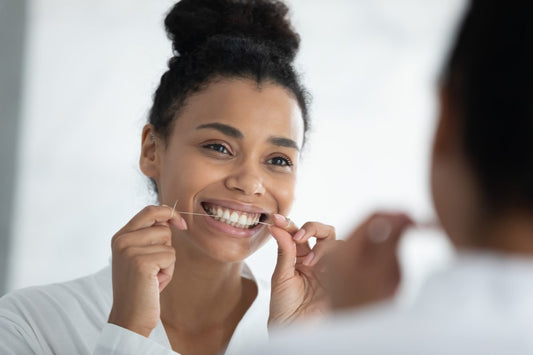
(234, 218)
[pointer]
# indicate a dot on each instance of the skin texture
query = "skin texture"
(180, 268)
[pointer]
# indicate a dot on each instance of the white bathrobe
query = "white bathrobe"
(71, 318)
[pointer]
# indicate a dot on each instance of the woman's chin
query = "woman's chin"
(229, 254)
(229, 250)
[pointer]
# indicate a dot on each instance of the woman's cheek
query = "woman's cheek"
(199, 172)
(284, 194)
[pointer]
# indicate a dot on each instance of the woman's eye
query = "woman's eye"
(220, 148)
(280, 161)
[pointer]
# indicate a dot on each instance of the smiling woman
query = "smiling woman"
(222, 146)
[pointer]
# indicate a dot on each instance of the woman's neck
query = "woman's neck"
(204, 292)
(509, 233)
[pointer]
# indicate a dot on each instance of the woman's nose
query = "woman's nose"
(247, 181)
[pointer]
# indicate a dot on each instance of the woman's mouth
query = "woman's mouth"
(234, 218)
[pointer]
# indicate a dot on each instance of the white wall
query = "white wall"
(90, 71)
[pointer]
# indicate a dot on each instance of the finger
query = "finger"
(302, 249)
(152, 215)
(332, 252)
(400, 224)
(320, 231)
(314, 229)
(165, 276)
(158, 234)
(160, 265)
(134, 252)
(284, 223)
(305, 259)
(379, 228)
(387, 228)
(151, 260)
(318, 252)
(286, 254)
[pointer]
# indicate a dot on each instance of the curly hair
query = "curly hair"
(215, 39)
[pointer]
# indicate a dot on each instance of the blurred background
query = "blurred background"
(76, 81)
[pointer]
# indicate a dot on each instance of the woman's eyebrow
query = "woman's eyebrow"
(223, 128)
(235, 133)
(284, 142)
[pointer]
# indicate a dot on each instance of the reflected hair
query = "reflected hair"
(489, 79)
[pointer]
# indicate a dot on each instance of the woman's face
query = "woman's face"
(232, 152)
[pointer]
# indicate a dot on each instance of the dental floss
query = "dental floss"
(173, 209)
(431, 224)
(426, 224)
(204, 214)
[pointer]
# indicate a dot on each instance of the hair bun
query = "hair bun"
(190, 23)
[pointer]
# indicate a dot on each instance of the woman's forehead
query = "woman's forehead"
(254, 109)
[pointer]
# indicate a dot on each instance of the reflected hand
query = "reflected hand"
(365, 268)
(296, 287)
(143, 265)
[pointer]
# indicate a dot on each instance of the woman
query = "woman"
(222, 147)
(482, 187)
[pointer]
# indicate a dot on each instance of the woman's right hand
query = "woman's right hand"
(143, 264)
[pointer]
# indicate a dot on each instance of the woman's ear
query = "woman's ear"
(150, 152)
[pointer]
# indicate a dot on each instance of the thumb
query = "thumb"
(286, 254)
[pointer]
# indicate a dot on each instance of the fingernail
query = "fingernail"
(279, 218)
(179, 223)
(299, 235)
(183, 223)
(308, 259)
(379, 230)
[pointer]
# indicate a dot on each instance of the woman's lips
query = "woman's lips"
(232, 218)
(233, 231)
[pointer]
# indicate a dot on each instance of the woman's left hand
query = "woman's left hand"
(296, 287)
